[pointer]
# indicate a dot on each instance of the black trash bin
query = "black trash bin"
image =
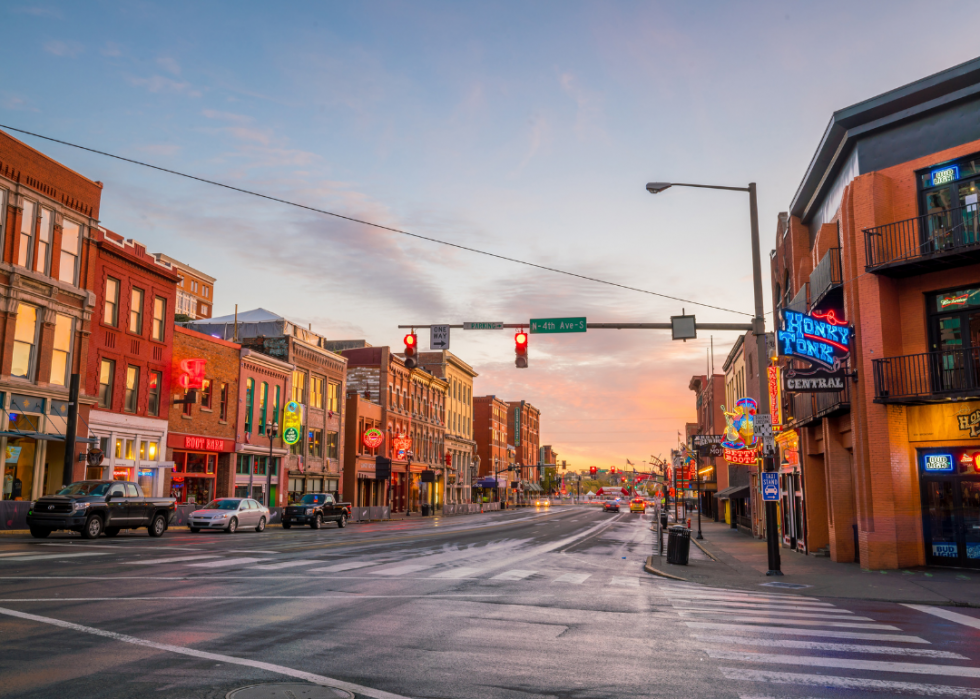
(678, 545)
(425, 510)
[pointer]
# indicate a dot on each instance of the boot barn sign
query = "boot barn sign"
(824, 342)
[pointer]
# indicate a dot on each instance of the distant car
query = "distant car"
(638, 505)
(611, 506)
(228, 514)
(541, 502)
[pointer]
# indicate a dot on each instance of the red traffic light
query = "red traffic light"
(593, 470)
(520, 348)
(612, 470)
(411, 350)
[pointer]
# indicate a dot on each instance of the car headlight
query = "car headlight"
(221, 516)
(309, 510)
(77, 506)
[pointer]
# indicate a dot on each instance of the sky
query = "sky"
(527, 130)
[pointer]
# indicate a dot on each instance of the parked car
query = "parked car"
(96, 507)
(314, 509)
(228, 514)
(611, 506)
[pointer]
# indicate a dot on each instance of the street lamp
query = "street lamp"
(759, 330)
(272, 431)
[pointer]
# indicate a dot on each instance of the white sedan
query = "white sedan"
(228, 514)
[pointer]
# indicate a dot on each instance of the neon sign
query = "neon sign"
(960, 300)
(373, 438)
(193, 373)
(401, 444)
(945, 175)
(740, 428)
(824, 340)
(775, 397)
(938, 463)
(744, 457)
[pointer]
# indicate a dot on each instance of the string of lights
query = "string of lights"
(362, 222)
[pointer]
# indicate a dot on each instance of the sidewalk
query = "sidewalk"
(741, 562)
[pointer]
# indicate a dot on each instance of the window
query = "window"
(110, 315)
(249, 400)
(25, 337)
(70, 234)
(316, 443)
(3, 207)
(333, 397)
(44, 241)
(194, 286)
(244, 460)
(132, 389)
(206, 394)
(159, 318)
(136, 311)
(331, 445)
(263, 400)
(61, 351)
(207, 291)
(204, 309)
(153, 403)
(299, 386)
(27, 224)
(275, 409)
(106, 373)
(188, 407)
(316, 392)
(223, 397)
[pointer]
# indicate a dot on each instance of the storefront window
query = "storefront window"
(331, 445)
(243, 464)
(18, 475)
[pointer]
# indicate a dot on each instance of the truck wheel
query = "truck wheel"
(40, 533)
(232, 526)
(261, 526)
(287, 525)
(342, 522)
(92, 528)
(194, 530)
(158, 526)
(111, 531)
(317, 522)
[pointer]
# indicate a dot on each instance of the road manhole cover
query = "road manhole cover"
(288, 690)
(786, 586)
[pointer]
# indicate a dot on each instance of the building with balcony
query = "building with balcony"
(882, 235)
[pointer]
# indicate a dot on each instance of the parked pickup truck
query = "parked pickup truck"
(315, 509)
(96, 507)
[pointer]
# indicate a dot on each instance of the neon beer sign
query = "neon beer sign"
(821, 339)
(192, 374)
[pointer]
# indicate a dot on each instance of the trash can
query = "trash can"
(678, 545)
(425, 513)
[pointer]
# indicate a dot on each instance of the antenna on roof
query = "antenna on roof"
(236, 324)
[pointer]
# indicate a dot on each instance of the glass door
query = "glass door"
(970, 521)
(939, 513)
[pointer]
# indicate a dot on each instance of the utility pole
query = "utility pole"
(70, 429)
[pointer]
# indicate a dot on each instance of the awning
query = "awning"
(734, 492)
(486, 483)
(49, 437)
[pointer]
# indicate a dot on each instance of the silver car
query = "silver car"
(228, 514)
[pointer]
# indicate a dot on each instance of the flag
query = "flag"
(629, 463)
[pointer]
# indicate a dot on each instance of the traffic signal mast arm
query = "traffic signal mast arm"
(738, 327)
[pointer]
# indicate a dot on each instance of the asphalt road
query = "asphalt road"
(510, 605)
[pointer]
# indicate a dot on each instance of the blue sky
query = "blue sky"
(526, 129)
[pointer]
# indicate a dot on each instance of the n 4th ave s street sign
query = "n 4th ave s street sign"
(558, 325)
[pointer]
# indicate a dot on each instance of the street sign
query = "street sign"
(488, 325)
(763, 428)
(683, 328)
(439, 337)
(558, 325)
(770, 486)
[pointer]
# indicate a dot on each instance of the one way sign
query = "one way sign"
(439, 337)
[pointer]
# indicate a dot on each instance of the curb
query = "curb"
(648, 567)
(704, 550)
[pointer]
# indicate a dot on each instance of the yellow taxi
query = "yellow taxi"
(638, 505)
(541, 502)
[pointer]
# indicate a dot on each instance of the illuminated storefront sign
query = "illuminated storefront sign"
(292, 422)
(823, 339)
(742, 456)
(402, 443)
(938, 463)
(945, 175)
(192, 374)
(740, 428)
(775, 397)
(373, 438)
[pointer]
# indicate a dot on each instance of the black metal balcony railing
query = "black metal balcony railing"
(810, 407)
(934, 236)
(826, 276)
(928, 377)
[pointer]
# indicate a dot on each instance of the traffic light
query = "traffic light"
(564, 466)
(622, 479)
(411, 351)
(612, 470)
(520, 342)
(593, 470)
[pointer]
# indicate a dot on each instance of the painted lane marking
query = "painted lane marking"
(777, 619)
(219, 657)
(743, 598)
(225, 562)
(338, 567)
(514, 575)
(338, 596)
(625, 582)
(248, 551)
(947, 614)
(853, 635)
(123, 546)
(833, 647)
(284, 564)
(400, 570)
(456, 573)
(845, 663)
(573, 578)
(757, 605)
(175, 559)
(46, 556)
(913, 688)
(765, 613)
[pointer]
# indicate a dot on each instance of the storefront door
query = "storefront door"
(952, 521)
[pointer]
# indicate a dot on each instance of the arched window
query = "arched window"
(249, 402)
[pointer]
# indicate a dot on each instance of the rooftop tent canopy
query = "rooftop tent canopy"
(255, 323)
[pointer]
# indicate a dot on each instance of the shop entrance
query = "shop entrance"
(951, 507)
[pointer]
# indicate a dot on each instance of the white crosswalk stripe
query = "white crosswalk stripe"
(774, 614)
(573, 578)
(46, 556)
(454, 573)
(172, 559)
(340, 567)
(625, 582)
(757, 605)
(400, 570)
(514, 575)
(844, 663)
(285, 564)
(832, 647)
(783, 678)
(782, 621)
(826, 633)
(226, 562)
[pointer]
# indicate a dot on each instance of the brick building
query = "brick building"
(523, 433)
(459, 442)
(129, 358)
(201, 438)
(317, 384)
(264, 386)
(711, 420)
(361, 486)
(883, 233)
(493, 457)
(195, 290)
(428, 400)
(46, 210)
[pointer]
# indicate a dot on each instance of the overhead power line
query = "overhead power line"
(372, 224)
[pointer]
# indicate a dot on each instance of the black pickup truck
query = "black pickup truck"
(314, 509)
(95, 507)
